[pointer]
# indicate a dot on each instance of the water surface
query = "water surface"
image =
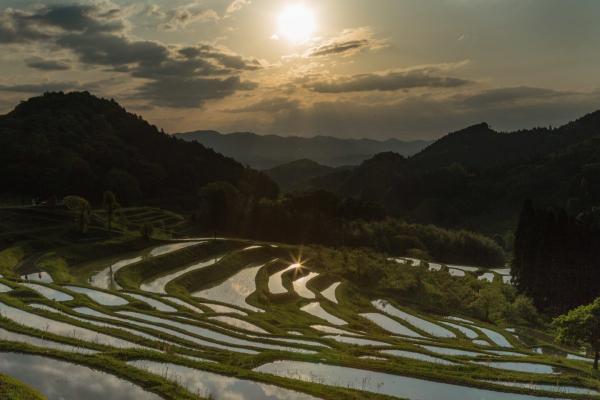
(390, 325)
(329, 293)
(300, 286)
(218, 387)
(234, 290)
(422, 324)
(62, 328)
(157, 305)
(106, 299)
(48, 292)
(378, 382)
(61, 380)
(315, 309)
(159, 284)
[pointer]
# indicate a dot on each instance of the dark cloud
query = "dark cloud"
(175, 77)
(427, 116)
(338, 48)
(190, 92)
(386, 82)
(271, 105)
(18, 26)
(510, 95)
(47, 65)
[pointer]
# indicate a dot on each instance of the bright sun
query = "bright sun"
(296, 23)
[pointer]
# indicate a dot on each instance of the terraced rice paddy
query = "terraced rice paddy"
(262, 330)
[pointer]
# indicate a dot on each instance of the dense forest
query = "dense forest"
(60, 144)
(556, 257)
(477, 178)
(324, 218)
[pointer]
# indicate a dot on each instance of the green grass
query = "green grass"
(69, 259)
(13, 389)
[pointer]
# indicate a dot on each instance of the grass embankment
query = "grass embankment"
(13, 389)
(135, 274)
(226, 267)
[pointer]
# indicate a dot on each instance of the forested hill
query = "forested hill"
(59, 144)
(478, 178)
(268, 151)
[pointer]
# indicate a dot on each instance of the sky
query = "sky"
(407, 69)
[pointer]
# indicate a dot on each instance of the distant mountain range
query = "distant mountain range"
(478, 178)
(268, 151)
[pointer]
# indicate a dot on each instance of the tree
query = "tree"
(110, 204)
(83, 209)
(581, 326)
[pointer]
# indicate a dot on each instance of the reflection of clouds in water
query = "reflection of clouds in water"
(62, 380)
(219, 386)
(234, 290)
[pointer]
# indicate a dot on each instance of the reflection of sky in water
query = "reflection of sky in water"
(4, 288)
(59, 380)
(379, 382)
(105, 278)
(49, 293)
(519, 366)
(471, 334)
(106, 299)
(238, 323)
(203, 332)
(223, 309)
(184, 304)
(417, 356)
(315, 309)
(234, 290)
(329, 293)
(169, 248)
(390, 325)
(300, 286)
(424, 325)
(41, 276)
(158, 305)
(275, 282)
(158, 285)
(61, 328)
(218, 386)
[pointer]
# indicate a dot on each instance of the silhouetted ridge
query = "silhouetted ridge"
(76, 143)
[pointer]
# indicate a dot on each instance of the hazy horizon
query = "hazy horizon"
(391, 69)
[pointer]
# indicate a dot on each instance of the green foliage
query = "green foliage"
(147, 230)
(111, 205)
(438, 290)
(581, 326)
(13, 389)
(82, 208)
(556, 256)
(57, 144)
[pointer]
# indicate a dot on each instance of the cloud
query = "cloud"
(420, 116)
(181, 17)
(47, 65)
(270, 105)
(18, 26)
(190, 92)
(97, 37)
(237, 5)
(500, 96)
(348, 43)
(40, 87)
(391, 81)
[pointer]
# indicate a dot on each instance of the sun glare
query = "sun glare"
(296, 24)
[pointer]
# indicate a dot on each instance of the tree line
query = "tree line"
(557, 256)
